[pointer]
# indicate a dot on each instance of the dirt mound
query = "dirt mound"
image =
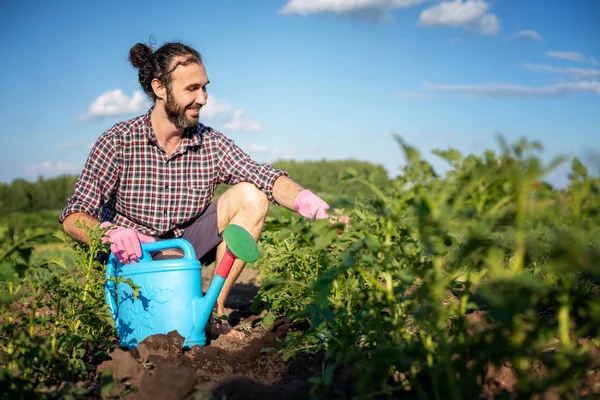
(227, 367)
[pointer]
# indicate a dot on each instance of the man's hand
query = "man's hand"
(125, 242)
(311, 206)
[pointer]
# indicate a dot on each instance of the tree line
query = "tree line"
(44, 194)
(323, 177)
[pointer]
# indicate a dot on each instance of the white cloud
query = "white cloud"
(528, 35)
(581, 73)
(572, 56)
(306, 7)
(48, 168)
(236, 121)
(454, 13)
(213, 108)
(488, 24)
(115, 102)
(240, 122)
(471, 13)
(413, 95)
(503, 90)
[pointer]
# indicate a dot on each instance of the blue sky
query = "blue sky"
(309, 79)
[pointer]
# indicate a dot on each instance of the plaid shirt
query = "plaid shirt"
(132, 182)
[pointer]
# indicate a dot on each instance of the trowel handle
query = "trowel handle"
(182, 244)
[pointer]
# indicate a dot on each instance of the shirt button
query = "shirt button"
(165, 212)
(166, 187)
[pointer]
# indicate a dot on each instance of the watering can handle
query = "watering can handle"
(187, 248)
(147, 248)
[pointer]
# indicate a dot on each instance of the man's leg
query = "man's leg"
(244, 205)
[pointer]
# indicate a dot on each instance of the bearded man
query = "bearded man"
(153, 177)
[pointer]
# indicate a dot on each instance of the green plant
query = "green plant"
(53, 316)
(441, 279)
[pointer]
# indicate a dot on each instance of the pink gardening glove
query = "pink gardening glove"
(125, 242)
(309, 205)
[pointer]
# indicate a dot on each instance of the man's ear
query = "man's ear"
(159, 89)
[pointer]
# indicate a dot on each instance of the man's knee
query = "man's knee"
(247, 195)
(242, 197)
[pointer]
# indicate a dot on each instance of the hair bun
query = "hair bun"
(140, 54)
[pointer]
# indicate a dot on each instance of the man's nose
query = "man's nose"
(202, 98)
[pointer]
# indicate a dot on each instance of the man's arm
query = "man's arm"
(285, 191)
(98, 179)
(236, 166)
(125, 242)
(78, 233)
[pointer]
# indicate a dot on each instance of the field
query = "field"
(482, 283)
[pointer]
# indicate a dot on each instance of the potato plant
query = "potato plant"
(441, 279)
(53, 317)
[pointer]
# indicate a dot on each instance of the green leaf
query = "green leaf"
(325, 239)
(372, 242)
(6, 298)
(58, 260)
(579, 170)
(453, 156)
(412, 155)
(7, 271)
(351, 172)
(107, 382)
(269, 319)
(267, 349)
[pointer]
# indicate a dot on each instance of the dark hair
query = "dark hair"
(157, 64)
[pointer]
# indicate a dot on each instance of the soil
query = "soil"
(225, 368)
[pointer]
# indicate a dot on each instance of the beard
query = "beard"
(176, 113)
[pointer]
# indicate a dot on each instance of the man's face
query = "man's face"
(187, 95)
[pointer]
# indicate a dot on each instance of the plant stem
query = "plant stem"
(518, 262)
(564, 319)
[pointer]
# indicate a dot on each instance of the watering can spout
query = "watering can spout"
(203, 306)
(240, 244)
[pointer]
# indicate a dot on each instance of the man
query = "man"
(153, 177)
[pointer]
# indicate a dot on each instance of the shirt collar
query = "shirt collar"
(193, 136)
(149, 132)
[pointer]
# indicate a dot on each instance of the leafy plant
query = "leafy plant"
(53, 316)
(442, 279)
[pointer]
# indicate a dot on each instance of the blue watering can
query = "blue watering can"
(170, 291)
